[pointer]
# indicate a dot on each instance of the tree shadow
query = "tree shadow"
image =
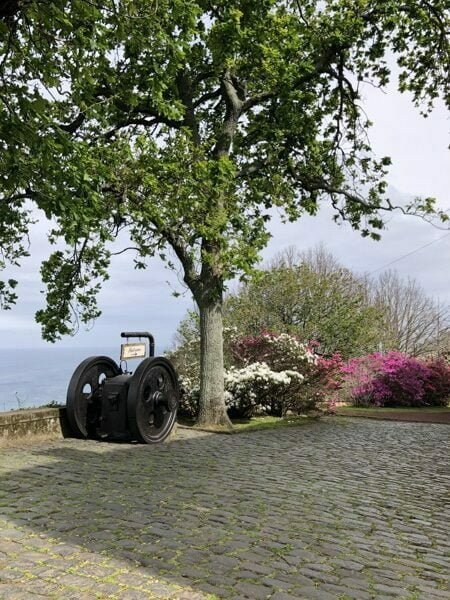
(230, 515)
(195, 512)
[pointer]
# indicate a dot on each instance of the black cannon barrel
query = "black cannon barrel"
(141, 334)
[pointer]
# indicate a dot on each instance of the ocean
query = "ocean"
(30, 377)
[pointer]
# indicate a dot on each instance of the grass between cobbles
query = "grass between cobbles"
(256, 423)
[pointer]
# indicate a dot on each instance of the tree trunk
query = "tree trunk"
(212, 410)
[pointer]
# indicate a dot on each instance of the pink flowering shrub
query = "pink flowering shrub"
(323, 383)
(437, 386)
(357, 377)
(395, 379)
(317, 387)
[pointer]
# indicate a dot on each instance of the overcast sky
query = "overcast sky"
(143, 299)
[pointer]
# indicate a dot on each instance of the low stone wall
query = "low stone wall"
(409, 415)
(34, 423)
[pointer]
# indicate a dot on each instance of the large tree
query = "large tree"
(412, 322)
(310, 295)
(185, 122)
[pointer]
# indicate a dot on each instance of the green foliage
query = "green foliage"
(186, 122)
(307, 296)
(71, 288)
(329, 306)
(7, 294)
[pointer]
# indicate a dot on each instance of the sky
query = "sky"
(143, 300)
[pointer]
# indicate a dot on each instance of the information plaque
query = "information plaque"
(128, 351)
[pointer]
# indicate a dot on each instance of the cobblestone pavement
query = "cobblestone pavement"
(344, 509)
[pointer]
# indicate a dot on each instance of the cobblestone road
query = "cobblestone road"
(335, 509)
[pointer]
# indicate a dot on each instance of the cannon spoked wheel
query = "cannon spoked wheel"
(153, 400)
(83, 405)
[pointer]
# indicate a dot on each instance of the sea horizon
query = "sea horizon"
(34, 377)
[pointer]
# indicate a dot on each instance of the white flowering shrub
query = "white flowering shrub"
(190, 395)
(267, 374)
(280, 351)
(256, 389)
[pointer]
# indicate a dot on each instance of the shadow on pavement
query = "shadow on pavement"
(240, 516)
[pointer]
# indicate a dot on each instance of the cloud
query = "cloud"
(403, 234)
(418, 146)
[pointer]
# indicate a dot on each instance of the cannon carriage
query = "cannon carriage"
(106, 401)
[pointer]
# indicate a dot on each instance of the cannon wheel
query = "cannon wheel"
(153, 400)
(83, 404)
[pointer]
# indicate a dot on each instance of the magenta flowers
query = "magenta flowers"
(395, 379)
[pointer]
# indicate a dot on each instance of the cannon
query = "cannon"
(105, 401)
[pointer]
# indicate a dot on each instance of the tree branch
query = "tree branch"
(191, 277)
(75, 124)
(233, 94)
(146, 109)
(127, 122)
(207, 96)
(321, 66)
(230, 89)
(184, 86)
(28, 193)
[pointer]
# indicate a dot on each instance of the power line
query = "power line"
(409, 253)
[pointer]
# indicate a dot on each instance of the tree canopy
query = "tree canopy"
(312, 296)
(186, 122)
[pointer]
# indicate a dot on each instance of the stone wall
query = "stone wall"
(34, 423)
